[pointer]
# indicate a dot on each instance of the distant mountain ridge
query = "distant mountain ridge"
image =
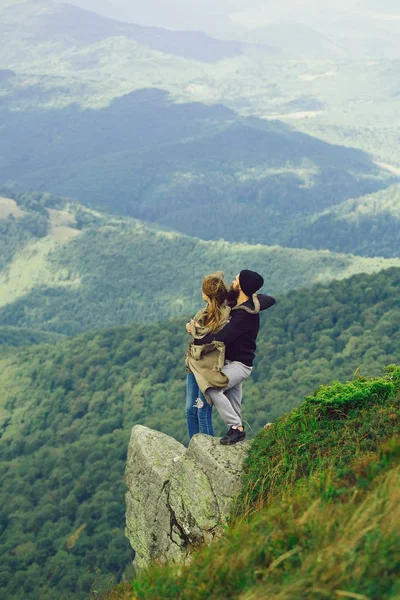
(297, 40)
(348, 29)
(44, 21)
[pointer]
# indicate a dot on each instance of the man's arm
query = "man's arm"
(236, 327)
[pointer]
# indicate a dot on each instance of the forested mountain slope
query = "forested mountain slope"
(20, 337)
(67, 269)
(66, 411)
(368, 226)
(177, 164)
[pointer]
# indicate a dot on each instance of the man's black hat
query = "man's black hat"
(250, 282)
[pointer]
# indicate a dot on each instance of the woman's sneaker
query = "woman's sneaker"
(233, 437)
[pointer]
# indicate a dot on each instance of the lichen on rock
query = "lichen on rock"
(178, 498)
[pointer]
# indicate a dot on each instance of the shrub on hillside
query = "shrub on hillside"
(334, 426)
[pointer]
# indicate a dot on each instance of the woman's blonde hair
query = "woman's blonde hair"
(215, 289)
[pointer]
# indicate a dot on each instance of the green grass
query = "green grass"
(337, 424)
(318, 512)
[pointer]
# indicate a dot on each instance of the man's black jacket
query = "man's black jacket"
(240, 334)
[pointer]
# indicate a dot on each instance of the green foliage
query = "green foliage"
(339, 396)
(30, 225)
(37, 202)
(16, 337)
(66, 411)
(15, 233)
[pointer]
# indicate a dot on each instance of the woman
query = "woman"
(210, 319)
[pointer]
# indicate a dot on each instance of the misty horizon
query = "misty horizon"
(229, 17)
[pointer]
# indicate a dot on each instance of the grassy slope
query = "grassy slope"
(25, 252)
(66, 411)
(323, 490)
(116, 270)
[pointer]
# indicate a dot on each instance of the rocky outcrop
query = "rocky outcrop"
(178, 498)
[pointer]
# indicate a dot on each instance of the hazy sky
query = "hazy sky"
(225, 15)
(175, 14)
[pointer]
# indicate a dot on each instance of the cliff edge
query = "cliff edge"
(178, 498)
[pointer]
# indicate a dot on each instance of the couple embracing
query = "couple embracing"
(221, 354)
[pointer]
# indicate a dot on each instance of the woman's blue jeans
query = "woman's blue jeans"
(198, 411)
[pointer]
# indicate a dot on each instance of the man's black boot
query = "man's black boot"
(233, 437)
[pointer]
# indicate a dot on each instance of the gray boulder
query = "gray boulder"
(178, 498)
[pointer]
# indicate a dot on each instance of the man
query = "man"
(239, 337)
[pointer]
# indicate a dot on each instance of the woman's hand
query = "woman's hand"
(188, 326)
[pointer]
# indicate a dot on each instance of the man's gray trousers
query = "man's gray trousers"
(228, 401)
